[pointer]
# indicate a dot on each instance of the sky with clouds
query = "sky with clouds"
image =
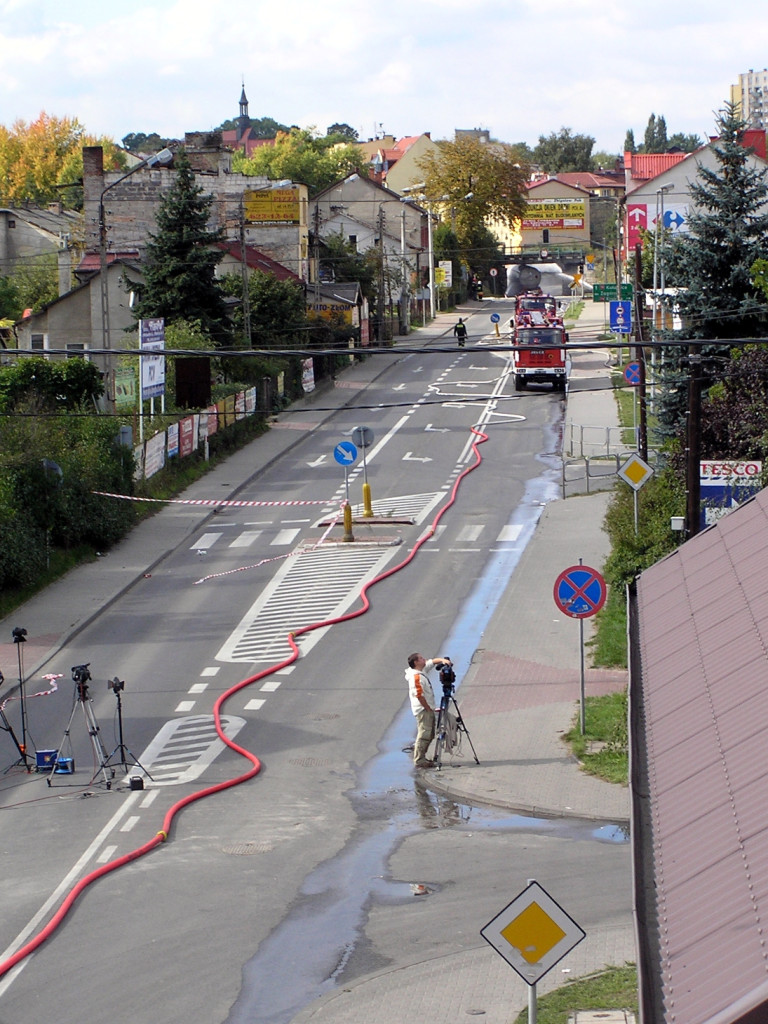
(519, 68)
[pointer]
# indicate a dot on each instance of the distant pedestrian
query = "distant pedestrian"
(460, 330)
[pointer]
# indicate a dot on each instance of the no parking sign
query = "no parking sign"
(580, 591)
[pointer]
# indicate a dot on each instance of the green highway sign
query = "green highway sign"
(607, 292)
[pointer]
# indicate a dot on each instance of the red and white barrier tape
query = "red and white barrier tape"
(43, 693)
(275, 558)
(206, 502)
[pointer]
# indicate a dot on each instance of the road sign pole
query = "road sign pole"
(348, 535)
(532, 1004)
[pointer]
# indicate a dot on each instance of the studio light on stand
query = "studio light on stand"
(121, 755)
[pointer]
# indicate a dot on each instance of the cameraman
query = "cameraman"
(422, 703)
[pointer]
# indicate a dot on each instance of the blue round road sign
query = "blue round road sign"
(632, 373)
(580, 591)
(495, 318)
(345, 453)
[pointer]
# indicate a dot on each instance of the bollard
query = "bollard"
(348, 523)
(367, 507)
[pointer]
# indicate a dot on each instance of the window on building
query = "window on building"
(75, 349)
(352, 240)
(38, 342)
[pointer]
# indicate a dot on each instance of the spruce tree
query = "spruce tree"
(180, 281)
(726, 232)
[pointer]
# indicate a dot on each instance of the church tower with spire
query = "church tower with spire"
(243, 121)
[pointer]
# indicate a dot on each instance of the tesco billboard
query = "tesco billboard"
(709, 472)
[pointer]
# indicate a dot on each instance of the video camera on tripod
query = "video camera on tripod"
(447, 678)
(81, 676)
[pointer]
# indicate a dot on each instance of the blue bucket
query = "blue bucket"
(64, 766)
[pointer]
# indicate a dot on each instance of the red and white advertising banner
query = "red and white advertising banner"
(187, 436)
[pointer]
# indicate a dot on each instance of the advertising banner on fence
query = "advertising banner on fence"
(187, 438)
(154, 454)
(172, 444)
(152, 339)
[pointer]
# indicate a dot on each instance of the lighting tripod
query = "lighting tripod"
(126, 758)
(441, 728)
(81, 676)
(7, 727)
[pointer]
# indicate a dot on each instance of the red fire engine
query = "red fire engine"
(536, 334)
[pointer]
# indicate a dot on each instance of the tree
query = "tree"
(476, 181)
(36, 281)
(35, 158)
(138, 142)
(734, 416)
(603, 161)
(563, 151)
(345, 263)
(261, 127)
(301, 156)
(684, 143)
(343, 131)
(712, 263)
(655, 140)
(629, 142)
(180, 281)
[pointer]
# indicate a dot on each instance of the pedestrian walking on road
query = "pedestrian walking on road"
(460, 330)
(422, 704)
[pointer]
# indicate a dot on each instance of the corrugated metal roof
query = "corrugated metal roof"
(700, 779)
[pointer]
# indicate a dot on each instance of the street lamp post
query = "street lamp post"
(163, 158)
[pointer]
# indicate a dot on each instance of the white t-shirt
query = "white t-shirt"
(419, 684)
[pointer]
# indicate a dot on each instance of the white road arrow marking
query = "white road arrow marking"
(437, 430)
(318, 461)
(410, 457)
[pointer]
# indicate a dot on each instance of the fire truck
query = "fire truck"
(536, 332)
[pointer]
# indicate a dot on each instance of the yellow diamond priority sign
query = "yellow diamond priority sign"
(533, 933)
(635, 472)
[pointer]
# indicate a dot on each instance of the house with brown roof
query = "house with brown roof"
(698, 696)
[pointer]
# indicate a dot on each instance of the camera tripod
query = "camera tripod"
(81, 675)
(126, 758)
(448, 701)
(19, 636)
(7, 727)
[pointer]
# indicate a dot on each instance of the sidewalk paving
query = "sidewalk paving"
(520, 695)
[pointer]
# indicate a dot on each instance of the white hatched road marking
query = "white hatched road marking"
(313, 586)
(183, 749)
(469, 534)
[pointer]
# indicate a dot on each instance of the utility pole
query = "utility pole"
(693, 444)
(642, 433)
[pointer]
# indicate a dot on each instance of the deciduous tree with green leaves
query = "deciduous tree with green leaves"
(476, 181)
(301, 155)
(564, 151)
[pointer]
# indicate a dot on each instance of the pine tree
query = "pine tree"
(727, 225)
(629, 142)
(180, 281)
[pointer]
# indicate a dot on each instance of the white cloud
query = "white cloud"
(521, 68)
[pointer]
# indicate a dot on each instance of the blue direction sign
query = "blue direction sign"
(345, 453)
(495, 318)
(632, 373)
(621, 317)
(580, 591)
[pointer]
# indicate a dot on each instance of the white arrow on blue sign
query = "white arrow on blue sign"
(345, 453)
